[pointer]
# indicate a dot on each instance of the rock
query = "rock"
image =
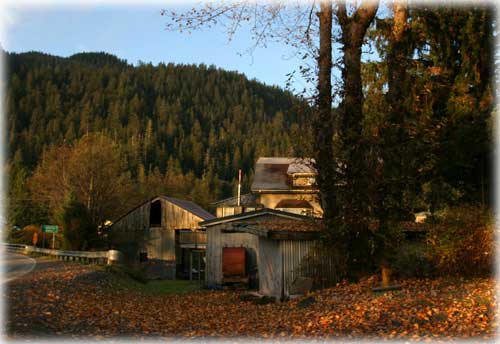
(306, 302)
(388, 288)
(250, 297)
(301, 286)
(396, 323)
(264, 300)
(439, 317)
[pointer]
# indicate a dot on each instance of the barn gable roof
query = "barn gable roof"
(190, 206)
(254, 215)
(186, 205)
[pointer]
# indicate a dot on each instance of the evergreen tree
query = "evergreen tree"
(79, 231)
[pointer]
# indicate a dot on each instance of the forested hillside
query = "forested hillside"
(192, 114)
(198, 122)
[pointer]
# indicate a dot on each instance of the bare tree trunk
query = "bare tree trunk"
(324, 122)
(394, 135)
(355, 172)
(394, 178)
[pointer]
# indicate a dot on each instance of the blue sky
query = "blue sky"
(136, 33)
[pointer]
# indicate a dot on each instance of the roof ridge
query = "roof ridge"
(177, 201)
(255, 213)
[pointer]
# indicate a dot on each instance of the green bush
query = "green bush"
(461, 240)
(126, 271)
(79, 230)
(413, 259)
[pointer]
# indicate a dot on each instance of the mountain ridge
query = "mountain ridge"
(196, 117)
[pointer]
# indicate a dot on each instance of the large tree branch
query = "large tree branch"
(366, 12)
(342, 14)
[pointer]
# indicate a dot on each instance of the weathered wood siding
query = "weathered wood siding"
(127, 234)
(175, 217)
(216, 241)
(136, 220)
(270, 268)
(159, 243)
(133, 234)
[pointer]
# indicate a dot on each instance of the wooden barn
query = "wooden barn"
(280, 248)
(164, 234)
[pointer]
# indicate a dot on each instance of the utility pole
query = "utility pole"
(239, 187)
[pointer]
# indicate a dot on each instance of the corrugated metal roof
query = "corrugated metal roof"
(191, 207)
(272, 173)
(302, 166)
(247, 200)
(285, 225)
(253, 214)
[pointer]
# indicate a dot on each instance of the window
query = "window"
(227, 211)
(155, 214)
(304, 181)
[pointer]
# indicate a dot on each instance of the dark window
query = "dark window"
(155, 214)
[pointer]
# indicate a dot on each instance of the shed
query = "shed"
(164, 231)
(281, 247)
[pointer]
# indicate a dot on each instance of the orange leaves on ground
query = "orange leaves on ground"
(71, 300)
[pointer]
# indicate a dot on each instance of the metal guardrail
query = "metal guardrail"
(14, 247)
(100, 257)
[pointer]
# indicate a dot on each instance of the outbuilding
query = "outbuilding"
(280, 248)
(164, 234)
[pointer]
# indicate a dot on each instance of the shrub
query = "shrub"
(462, 241)
(25, 236)
(126, 271)
(413, 259)
(79, 231)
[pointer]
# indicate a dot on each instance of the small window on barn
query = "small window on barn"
(227, 211)
(155, 214)
(143, 257)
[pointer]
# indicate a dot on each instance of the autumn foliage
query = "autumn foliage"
(462, 241)
(75, 301)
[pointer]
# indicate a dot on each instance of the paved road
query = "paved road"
(15, 265)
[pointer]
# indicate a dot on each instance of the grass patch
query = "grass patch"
(172, 287)
(125, 278)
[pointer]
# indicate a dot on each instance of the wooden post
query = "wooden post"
(199, 267)
(190, 265)
(386, 275)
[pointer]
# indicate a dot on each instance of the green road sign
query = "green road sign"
(50, 228)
